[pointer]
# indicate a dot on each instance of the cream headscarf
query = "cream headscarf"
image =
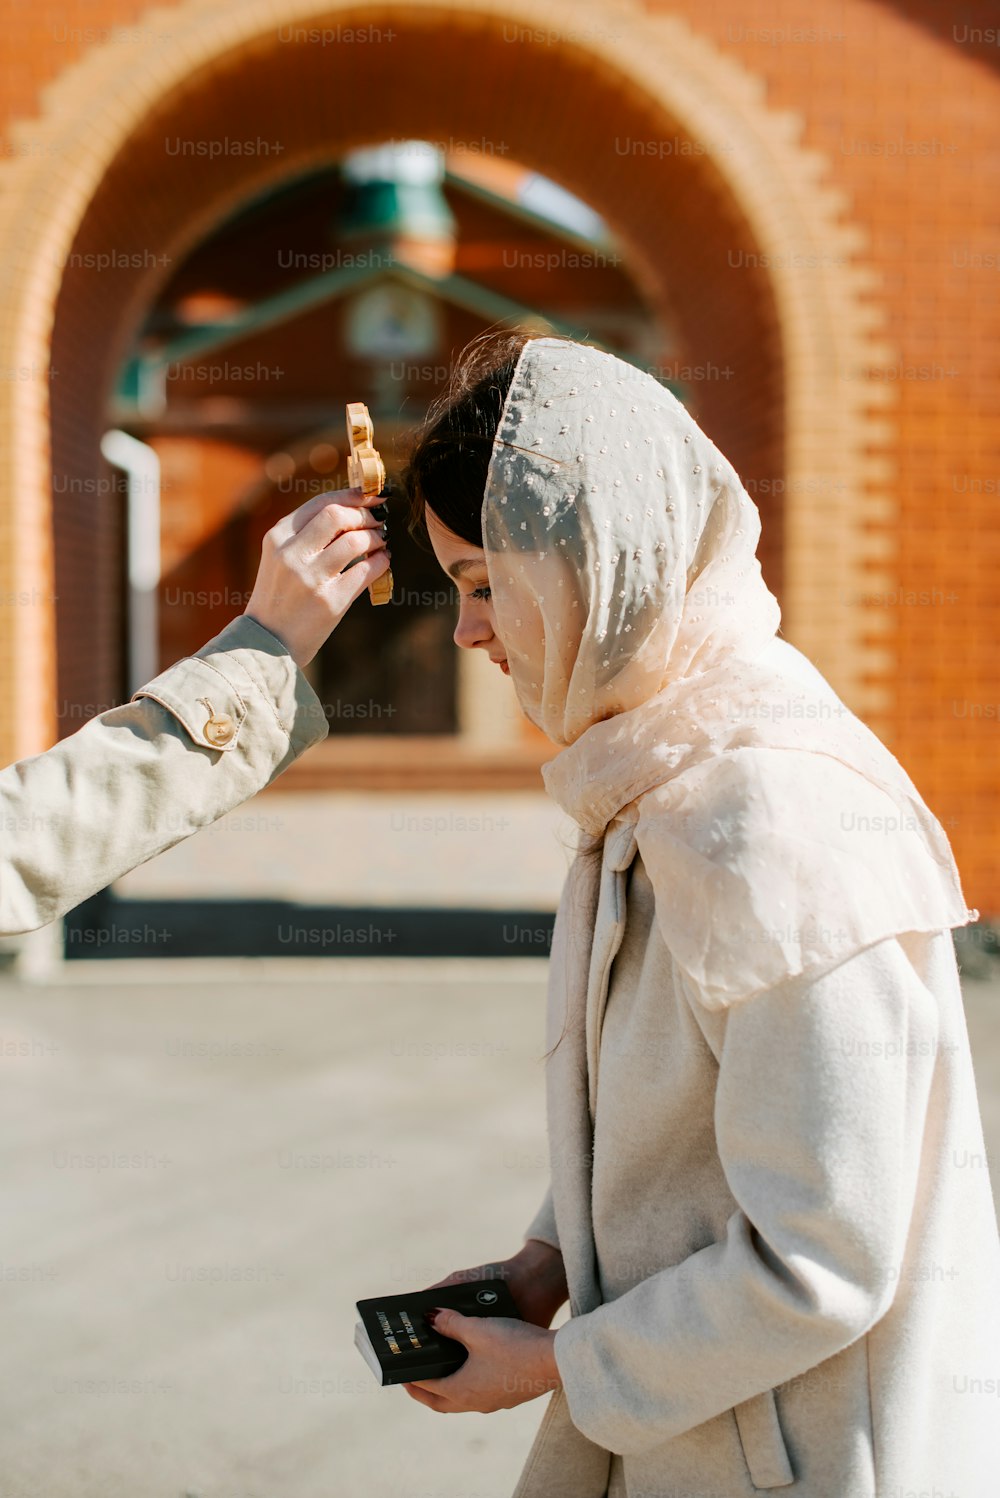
(780, 834)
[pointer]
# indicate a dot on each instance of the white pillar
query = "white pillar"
(141, 464)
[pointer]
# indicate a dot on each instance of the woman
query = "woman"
(760, 1092)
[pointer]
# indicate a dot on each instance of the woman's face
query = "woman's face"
(465, 565)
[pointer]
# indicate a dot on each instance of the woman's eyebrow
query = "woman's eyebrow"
(464, 564)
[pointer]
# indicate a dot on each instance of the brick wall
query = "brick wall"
(905, 100)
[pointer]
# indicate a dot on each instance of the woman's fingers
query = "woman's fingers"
(352, 499)
(349, 505)
(352, 584)
(349, 545)
(329, 524)
(432, 1401)
(497, 1271)
(459, 1277)
(300, 595)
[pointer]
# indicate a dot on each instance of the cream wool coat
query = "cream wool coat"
(776, 1219)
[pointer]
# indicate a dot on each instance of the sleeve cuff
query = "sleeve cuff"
(543, 1224)
(583, 1374)
(243, 671)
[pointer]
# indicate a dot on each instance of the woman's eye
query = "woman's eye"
(483, 592)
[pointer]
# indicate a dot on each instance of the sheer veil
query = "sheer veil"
(781, 835)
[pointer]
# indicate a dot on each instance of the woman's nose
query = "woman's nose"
(473, 628)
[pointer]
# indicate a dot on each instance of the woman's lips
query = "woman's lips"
(503, 666)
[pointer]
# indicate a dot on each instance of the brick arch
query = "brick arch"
(700, 177)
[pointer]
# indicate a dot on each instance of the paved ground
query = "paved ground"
(496, 849)
(205, 1164)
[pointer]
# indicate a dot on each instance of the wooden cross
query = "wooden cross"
(366, 471)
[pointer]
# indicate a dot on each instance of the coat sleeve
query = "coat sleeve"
(543, 1225)
(141, 777)
(820, 1103)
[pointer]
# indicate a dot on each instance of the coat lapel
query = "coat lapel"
(570, 1136)
(609, 929)
(589, 927)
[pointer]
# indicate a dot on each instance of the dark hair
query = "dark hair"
(449, 454)
(449, 457)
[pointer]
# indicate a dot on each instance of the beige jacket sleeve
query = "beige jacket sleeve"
(543, 1224)
(141, 777)
(820, 1104)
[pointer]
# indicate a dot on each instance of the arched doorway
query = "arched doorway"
(360, 282)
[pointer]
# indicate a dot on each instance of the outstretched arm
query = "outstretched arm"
(201, 738)
(142, 777)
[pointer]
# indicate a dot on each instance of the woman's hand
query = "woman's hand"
(535, 1276)
(509, 1362)
(302, 591)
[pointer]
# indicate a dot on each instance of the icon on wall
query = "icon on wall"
(389, 321)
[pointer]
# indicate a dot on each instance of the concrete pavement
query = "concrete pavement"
(205, 1164)
(202, 1171)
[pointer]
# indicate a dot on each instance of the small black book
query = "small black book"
(398, 1344)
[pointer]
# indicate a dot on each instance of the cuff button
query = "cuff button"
(219, 730)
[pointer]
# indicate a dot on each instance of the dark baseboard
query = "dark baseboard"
(106, 927)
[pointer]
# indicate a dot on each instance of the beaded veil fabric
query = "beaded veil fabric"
(781, 835)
